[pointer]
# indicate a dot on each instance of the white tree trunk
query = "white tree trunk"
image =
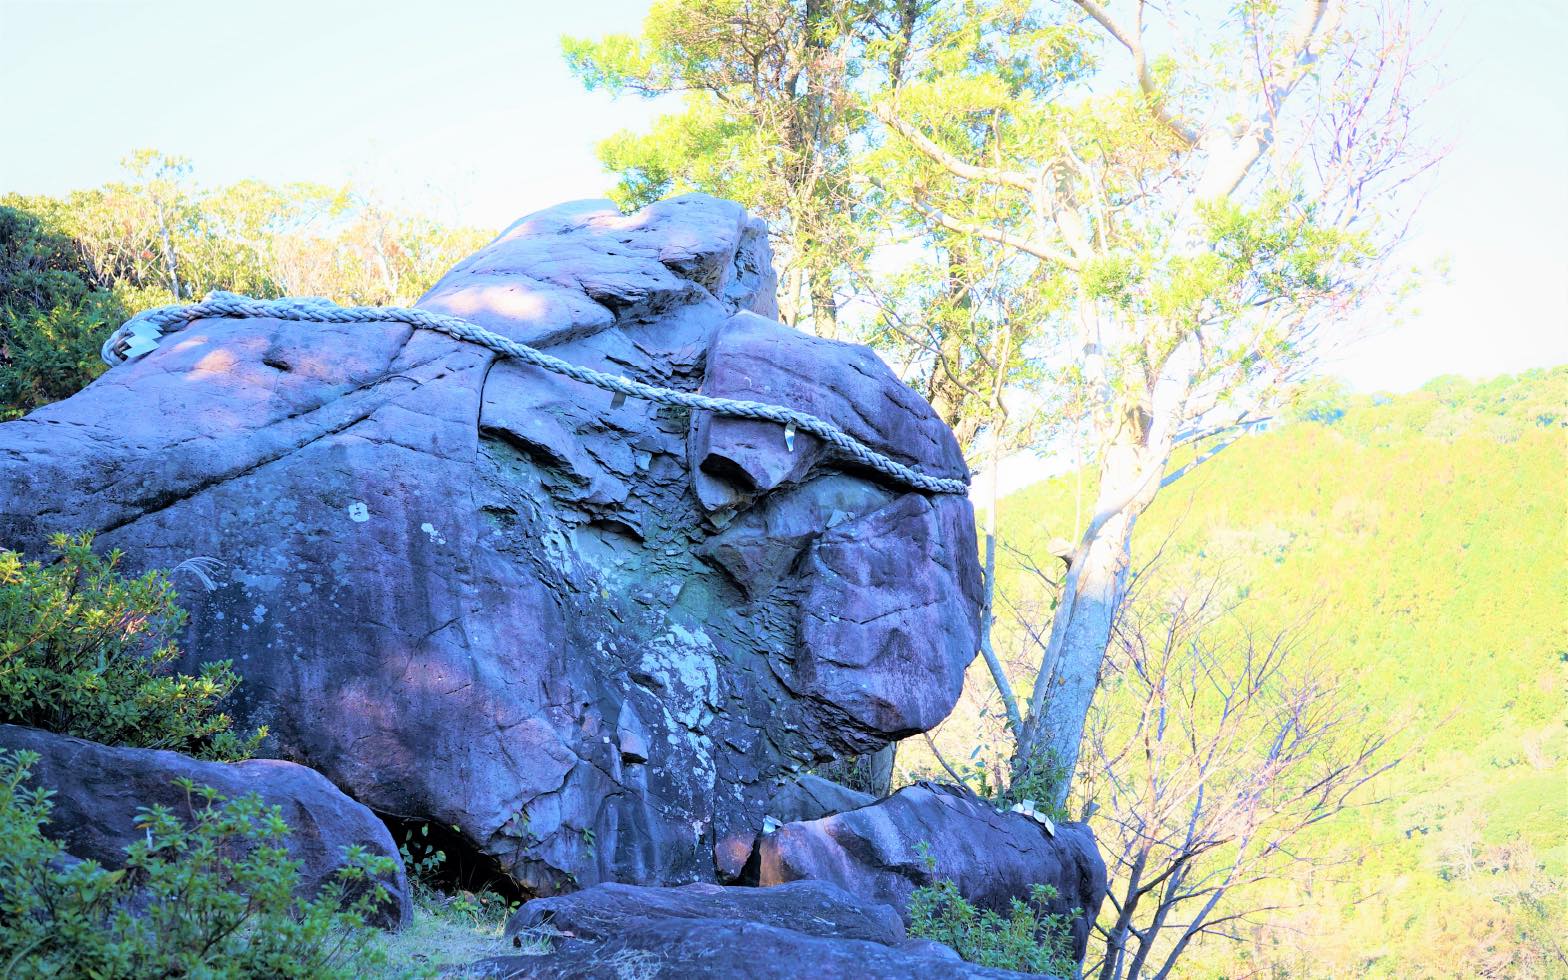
(1102, 583)
(1095, 586)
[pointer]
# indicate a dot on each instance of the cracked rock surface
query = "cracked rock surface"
(594, 635)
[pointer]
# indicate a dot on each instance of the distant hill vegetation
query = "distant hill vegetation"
(1424, 538)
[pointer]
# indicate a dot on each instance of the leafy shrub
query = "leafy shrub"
(53, 314)
(1039, 782)
(52, 354)
(87, 651)
(1029, 939)
(213, 896)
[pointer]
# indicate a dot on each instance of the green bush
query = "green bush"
(89, 652)
(54, 315)
(52, 354)
(213, 894)
(1029, 939)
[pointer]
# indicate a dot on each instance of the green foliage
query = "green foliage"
(421, 860)
(52, 354)
(1054, 185)
(1039, 782)
(73, 268)
(993, 776)
(212, 894)
(770, 115)
(1028, 939)
(53, 315)
(87, 651)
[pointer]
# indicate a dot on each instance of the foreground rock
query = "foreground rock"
(592, 634)
(817, 908)
(805, 928)
(874, 852)
(98, 788)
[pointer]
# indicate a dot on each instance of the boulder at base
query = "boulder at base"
(874, 852)
(593, 633)
(98, 788)
(805, 928)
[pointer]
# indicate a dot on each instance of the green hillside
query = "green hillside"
(1428, 533)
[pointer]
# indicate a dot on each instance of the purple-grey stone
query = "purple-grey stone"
(477, 594)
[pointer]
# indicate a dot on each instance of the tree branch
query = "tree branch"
(1133, 42)
(938, 753)
(1199, 460)
(987, 650)
(948, 161)
(1228, 170)
(1042, 252)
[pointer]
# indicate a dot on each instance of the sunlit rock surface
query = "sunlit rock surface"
(593, 635)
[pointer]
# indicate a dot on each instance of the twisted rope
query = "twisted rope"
(140, 334)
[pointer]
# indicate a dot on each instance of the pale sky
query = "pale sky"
(466, 108)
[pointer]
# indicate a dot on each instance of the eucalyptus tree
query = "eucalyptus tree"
(772, 114)
(1188, 201)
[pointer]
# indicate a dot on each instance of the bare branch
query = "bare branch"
(1198, 461)
(957, 779)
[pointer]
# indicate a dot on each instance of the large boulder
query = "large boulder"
(878, 853)
(593, 634)
(98, 789)
(805, 928)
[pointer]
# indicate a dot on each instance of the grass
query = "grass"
(452, 927)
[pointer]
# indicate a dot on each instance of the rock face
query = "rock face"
(805, 928)
(708, 949)
(593, 634)
(98, 789)
(874, 853)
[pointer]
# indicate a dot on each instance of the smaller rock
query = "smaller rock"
(98, 788)
(811, 797)
(875, 852)
(632, 736)
(807, 797)
(723, 949)
(817, 908)
(929, 947)
(753, 358)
